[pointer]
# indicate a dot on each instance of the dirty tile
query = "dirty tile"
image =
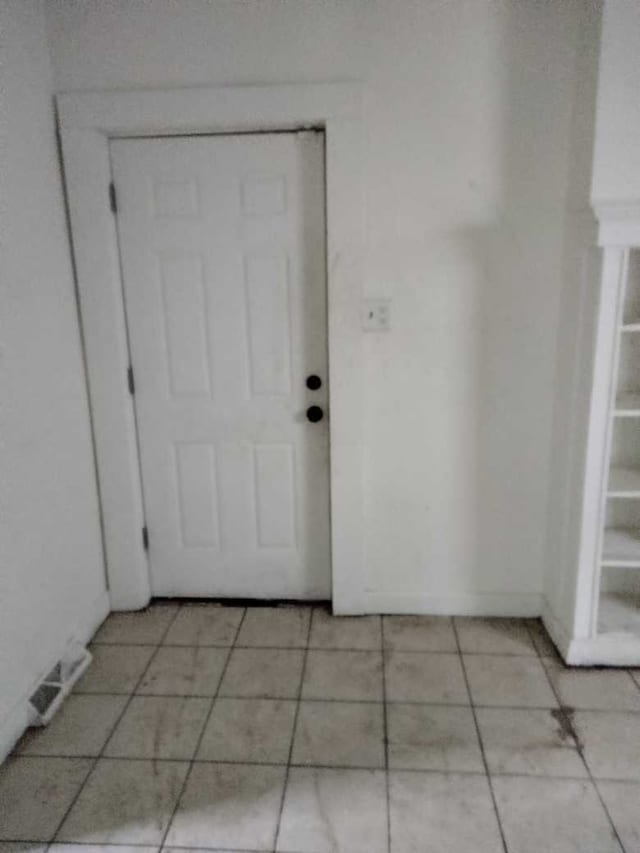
(184, 671)
(419, 633)
(263, 673)
(101, 848)
(35, 794)
(125, 802)
(541, 639)
(517, 681)
(593, 689)
(115, 669)
(623, 801)
(327, 810)
(438, 813)
(275, 627)
(159, 727)
(343, 675)
(534, 742)
(346, 734)
(81, 727)
(494, 636)
(229, 805)
(344, 632)
(563, 816)
(22, 847)
(431, 737)
(418, 677)
(204, 625)
(611, 743)
(252, 730)
(140, 627)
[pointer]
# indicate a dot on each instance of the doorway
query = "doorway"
(223, 256)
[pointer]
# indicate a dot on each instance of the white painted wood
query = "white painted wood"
(627, 405)
(605, 628)
(598, 442)
(608, 649)
(621, 547)
(87, 121)
(619, 223)
(87, 176)
(222, 243)
(620, 613)
(624, 483)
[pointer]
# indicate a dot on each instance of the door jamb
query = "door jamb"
(87, 121)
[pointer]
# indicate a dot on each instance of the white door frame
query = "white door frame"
(87, 121)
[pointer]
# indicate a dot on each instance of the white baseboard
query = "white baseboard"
(471, 604)
(605, 650)
(601, 650)
(559, 637)
(15, 723)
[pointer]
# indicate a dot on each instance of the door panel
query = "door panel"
(223, 257)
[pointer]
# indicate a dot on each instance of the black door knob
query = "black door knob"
(314, 414)
(314, 382)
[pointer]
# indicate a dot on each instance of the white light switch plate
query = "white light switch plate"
(376, 315)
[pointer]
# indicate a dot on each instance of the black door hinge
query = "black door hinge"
(113, 203)
(130, 381)
(145, 538)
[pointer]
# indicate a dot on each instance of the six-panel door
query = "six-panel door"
(222, 242)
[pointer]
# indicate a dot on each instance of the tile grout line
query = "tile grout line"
(311, 648)
(428, 771)
(283, 698)
(633, 681)
(385, 730)
(296, 715)
(192, 762)
(112, 729)
(147, 846)
(479, 736)
(569, 722)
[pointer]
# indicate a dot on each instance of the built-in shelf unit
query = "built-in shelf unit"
(619, 559)
(601, 623)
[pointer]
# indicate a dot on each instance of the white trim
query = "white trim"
(87, 120)
(470, 604)
(599, 650)
(605, 650)
(19, 718)
(619, 222)
(599, 436)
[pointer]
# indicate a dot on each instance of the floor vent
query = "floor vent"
(52, 690)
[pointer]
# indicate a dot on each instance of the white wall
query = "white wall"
(469, 139)
(51, 573)
(616, 168)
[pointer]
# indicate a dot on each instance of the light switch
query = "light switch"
(376, 315)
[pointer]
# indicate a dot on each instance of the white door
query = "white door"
(222, 242)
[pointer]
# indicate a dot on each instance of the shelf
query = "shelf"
(624, 483)
(619, 613)
(628, 405)
(621, 547)
(630, 327)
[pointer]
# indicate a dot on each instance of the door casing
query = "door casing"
(87, 121)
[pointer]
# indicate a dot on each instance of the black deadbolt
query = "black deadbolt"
(314, 414)
(314, 382)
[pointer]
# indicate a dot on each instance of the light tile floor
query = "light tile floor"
(286, 729)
